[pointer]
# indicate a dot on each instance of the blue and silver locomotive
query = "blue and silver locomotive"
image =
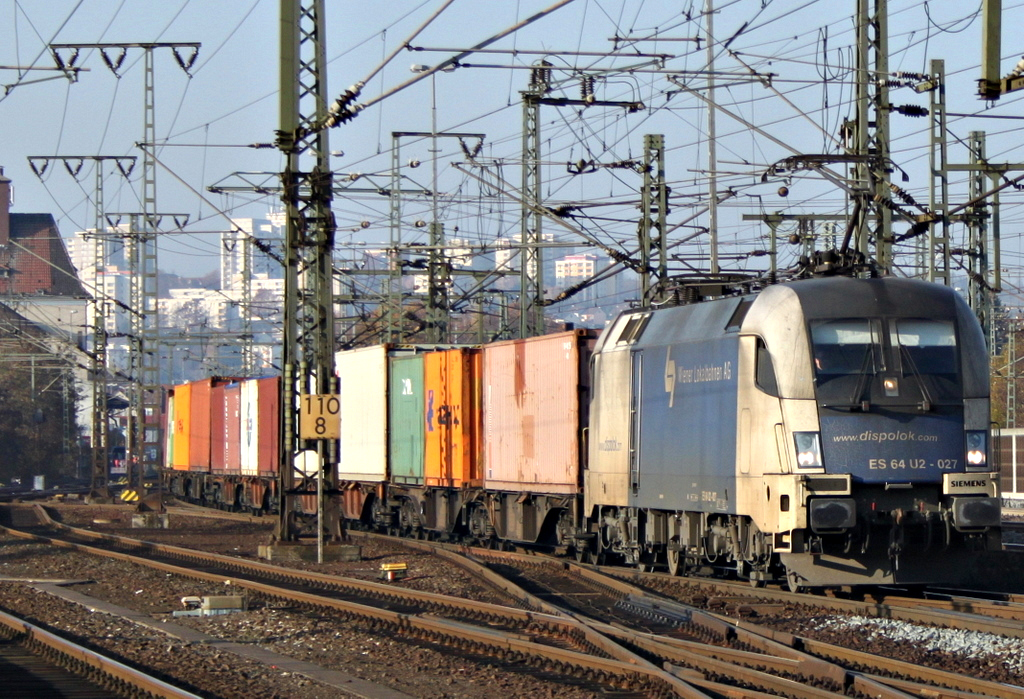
(827, 432)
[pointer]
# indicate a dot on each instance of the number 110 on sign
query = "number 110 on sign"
(318, 416)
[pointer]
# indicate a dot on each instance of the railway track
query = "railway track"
(985, 612)
(560, 613)
(35, 662)
(549, 643)
(714, 646)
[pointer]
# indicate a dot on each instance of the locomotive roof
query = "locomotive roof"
(779, 315)
(839, 297)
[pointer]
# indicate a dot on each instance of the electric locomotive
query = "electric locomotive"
(828, 432)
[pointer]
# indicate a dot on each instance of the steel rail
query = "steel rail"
(813, 659)
(747, 668)
(632, 670)
(932, 614)
(944, 613)
(880, 667)
(84, 662)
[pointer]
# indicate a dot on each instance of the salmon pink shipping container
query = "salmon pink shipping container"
(232, 428)
(534, 402)
(227, 445)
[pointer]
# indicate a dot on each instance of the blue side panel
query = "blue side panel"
(687, 426)
(880, 447)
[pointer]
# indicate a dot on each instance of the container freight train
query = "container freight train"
(825, 432)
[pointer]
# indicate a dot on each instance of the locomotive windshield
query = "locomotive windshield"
(896, 361)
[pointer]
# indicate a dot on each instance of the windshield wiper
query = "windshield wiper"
(926, 397)
(857, 398)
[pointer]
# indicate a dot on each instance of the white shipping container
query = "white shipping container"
(363, 385)
(249, 448)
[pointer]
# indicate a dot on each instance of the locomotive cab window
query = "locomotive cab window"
(846, 347)
(893, 362)
(926, 349)
(765, 370)
(929, 346)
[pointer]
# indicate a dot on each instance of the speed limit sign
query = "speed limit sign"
(318, 416)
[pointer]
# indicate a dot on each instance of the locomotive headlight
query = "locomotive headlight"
(808, 449)
(977, 451)
(891, 386)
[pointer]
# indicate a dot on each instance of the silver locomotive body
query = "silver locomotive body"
(829, 431)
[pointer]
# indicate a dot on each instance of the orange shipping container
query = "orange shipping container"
(452, 430)
(199, 434)
(182, 427)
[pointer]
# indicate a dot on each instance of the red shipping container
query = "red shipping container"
(217, 430)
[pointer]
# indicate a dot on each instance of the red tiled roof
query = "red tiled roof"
(35, 260)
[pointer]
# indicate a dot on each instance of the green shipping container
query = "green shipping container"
(407, 419)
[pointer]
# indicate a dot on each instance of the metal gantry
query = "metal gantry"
(145, 445)
(99, 490)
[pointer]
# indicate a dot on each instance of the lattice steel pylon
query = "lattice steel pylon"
(871, 175)
(145, 444)
(531, 262)
(653, 217)
(309, 243)
(939, 233)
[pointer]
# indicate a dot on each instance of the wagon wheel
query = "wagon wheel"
(676, 562)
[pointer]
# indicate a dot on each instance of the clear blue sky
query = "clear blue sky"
(231, 101)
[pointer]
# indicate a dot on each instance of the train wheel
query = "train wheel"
(793, 582)
(582, 554)
(676, 562)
